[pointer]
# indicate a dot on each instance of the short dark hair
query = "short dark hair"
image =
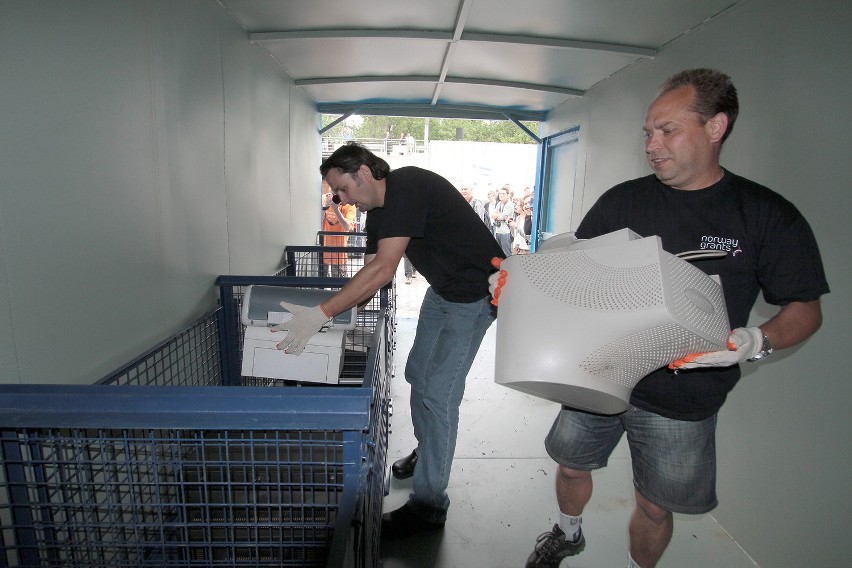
(351, 156)
(714, 93)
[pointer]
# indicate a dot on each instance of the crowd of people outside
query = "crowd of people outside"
(404, 144)
(507, 215)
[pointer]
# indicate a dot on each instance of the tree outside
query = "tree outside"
(502, 131)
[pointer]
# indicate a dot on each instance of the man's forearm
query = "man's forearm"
(793, 324)
(360, 288)
(341, 218)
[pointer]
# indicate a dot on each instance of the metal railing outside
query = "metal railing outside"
(357, 239)
(376, 145)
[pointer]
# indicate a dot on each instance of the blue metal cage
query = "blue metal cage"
(309, 261)
(176, 460)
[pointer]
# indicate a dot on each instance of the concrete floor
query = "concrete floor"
(502, 484)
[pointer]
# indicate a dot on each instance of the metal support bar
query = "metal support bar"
(524, 128)
(338, 121)
(246, 408)
(228, 345)
(19, 501)
(341, 551)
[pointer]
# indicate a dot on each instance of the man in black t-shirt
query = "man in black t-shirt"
(691, 203)
(417, 213)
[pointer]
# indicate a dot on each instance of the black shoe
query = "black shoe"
(404, 468)
(404, 522)
(551, 547)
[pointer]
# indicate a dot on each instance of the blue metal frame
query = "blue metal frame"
(542, 184)
(238, 408)
(537, 196)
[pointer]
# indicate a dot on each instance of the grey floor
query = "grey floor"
(502, 484)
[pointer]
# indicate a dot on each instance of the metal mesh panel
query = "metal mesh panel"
(314, 261)
(171, 497)
(375, 483)
(190, 358)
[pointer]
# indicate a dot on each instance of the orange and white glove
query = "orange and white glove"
(496, 280)
(743, 344)
(306, 321)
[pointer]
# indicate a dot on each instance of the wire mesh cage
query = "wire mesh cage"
(172, 460)
(152, 497)
(357, 342)
(322, 261)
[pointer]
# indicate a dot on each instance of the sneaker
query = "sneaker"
(551, 547)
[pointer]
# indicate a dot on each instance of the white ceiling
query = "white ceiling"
(461, 58)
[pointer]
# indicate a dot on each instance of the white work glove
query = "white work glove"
(306, 321)
(496, 280)
(743, 344)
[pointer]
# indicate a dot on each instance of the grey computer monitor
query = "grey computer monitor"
(582, 322)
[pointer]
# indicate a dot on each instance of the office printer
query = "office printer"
(322, 359)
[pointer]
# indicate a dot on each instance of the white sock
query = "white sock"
(570, 525)
(632, 563)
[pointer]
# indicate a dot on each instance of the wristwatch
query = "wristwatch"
(765, 349)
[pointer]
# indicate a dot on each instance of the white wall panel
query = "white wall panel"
(257, 167)
(80, 222)
(188, 100)
(305, 160)
(145, 150)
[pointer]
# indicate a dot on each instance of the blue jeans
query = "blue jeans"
(447, 339)
(505, 242)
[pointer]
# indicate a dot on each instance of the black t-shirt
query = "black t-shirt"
(770, 247)
(450, 246)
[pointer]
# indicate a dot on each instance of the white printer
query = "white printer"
(322, 359)
(582, 321)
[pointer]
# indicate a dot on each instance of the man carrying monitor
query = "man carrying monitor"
(689, 200)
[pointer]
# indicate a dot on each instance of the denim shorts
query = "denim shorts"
(674, 461)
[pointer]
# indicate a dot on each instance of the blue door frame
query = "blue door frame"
(544, 193)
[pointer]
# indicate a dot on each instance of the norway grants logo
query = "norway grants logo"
(727, 244)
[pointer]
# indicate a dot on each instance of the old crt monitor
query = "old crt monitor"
(582, 321)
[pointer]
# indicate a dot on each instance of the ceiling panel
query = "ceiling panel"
(275, 15)
(385, 92)
(648, 23)
(314, 58)
(462, 58)
(569, 68)
(505, 98)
